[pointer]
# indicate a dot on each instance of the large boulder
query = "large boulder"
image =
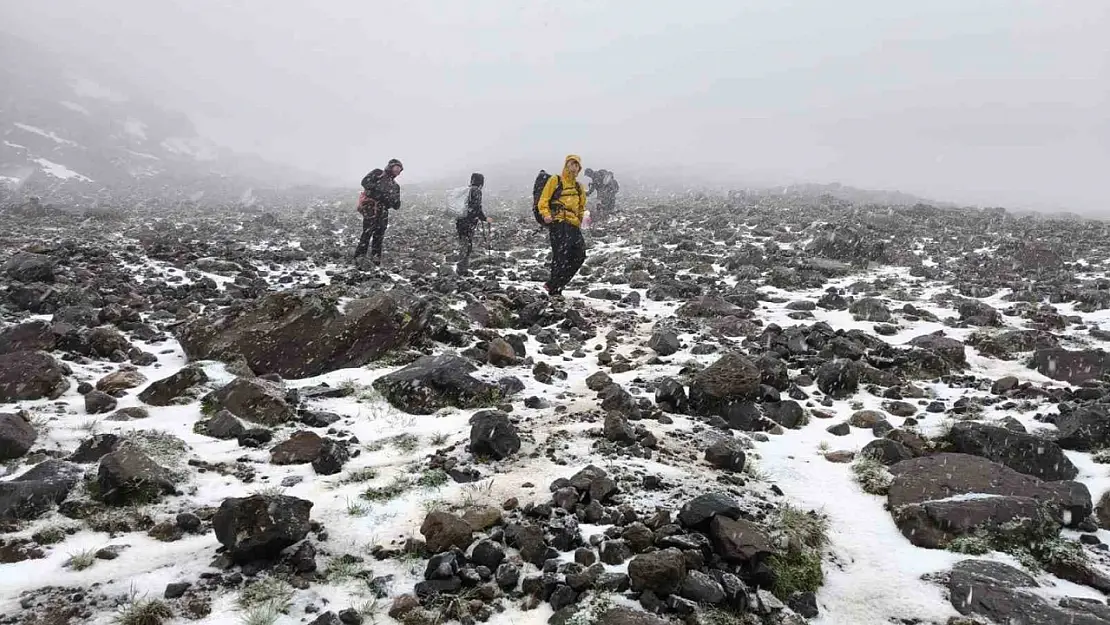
(1072, 366)
(731, 379)
(661, 572)
(121, 380)
(1084, 428)
(434, 382)
(35, 492)
(30, 267)
(948, 348)
(255, 400)
(34, 335)
(127, 476)
(1003, 594)
(937, 498)
(493, 435)
(443, 530)
(26, 376)
(259, 527)
(163, 392)
(325, 337)
(739, 541)
(846, 244)
(870, 309)
(301, 448)
(16, 436)
(838, 378)
(1020, 451)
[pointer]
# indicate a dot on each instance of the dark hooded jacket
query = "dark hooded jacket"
(474, 211)
(382, 188)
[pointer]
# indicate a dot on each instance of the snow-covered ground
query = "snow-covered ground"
(873, 575)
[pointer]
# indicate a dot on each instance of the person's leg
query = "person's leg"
(380, 224)
(575, 255)
(364, 239)
(465, 235)
(558, 257)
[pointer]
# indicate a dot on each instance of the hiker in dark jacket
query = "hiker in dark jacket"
(467, 224)
(605, 185)
(381, 194)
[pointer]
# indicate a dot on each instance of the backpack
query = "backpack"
(456, 202)
(537, 191)
(364, 199)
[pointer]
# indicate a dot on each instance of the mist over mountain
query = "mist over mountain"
(68, 128)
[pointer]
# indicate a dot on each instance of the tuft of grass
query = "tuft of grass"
(405, 443)
(50, 535)
(270, 491)
(1035, 543)
(440, 439)
(823, 446)
(592, 609)
(715, 615)
(81, 560)
(369, 609)
(798, 567)
(434, 505)
(266, 591)
(360, 475)
(354, 508)
(798, 571)
(753, 470)
(394, 489)
(262, 614)
(433, 478)
(1102, 456)
(871, 475)
(477, 493)
(342, 569)
(144, 612)
(90, 426)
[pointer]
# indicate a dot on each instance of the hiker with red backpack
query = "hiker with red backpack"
(561, 205)
(380, 194)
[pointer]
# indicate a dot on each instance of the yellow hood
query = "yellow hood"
(568, 175)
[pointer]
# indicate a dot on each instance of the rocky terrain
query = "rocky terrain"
(745, 411)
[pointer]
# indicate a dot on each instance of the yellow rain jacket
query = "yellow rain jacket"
(570, 206)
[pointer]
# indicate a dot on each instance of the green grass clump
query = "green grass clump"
(144, 612)
(396, 488)
(266, 591)
(81, 560)
(433, 478)
(798, 568)
(871, 475)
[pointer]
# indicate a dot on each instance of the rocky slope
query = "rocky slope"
(755, 411)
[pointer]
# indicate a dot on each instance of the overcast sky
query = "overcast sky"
(981, 101)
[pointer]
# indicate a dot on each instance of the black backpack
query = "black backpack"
(537, 191)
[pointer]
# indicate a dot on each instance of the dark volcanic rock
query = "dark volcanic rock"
(1021, 452)
(163, 392)
(726, 454)
(661, 572)
(254, 400)
(699, 511)
(739, 541)
(947, 348)
(664, 342)
(36, 491)
(16, 436)
(30, 267)
(434, 382)
(26, 376)
(838, 378)
(1085, 428)
(259, 527)
(127, 475)
(300, 448)
(325, 338)
(1073, 367)
(493, 435)
(31, 336)
(1007, 595)
(733, 378)
(948, 494)
(443, 530)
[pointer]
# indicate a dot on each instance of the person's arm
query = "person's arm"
(544, 205)
(391, 194)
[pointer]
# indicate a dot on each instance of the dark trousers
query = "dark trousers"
(465, 228)
(568, 252)
(373, 231)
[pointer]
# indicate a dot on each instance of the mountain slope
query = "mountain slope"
(66, 130)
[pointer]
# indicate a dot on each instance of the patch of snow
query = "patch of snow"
(143, 155)
(43, 133)
(73, 106)
(85, 88)
(60, 171)
(15, 145)
(195, 147)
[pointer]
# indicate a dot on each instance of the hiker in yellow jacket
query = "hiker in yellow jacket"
(562, 205)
